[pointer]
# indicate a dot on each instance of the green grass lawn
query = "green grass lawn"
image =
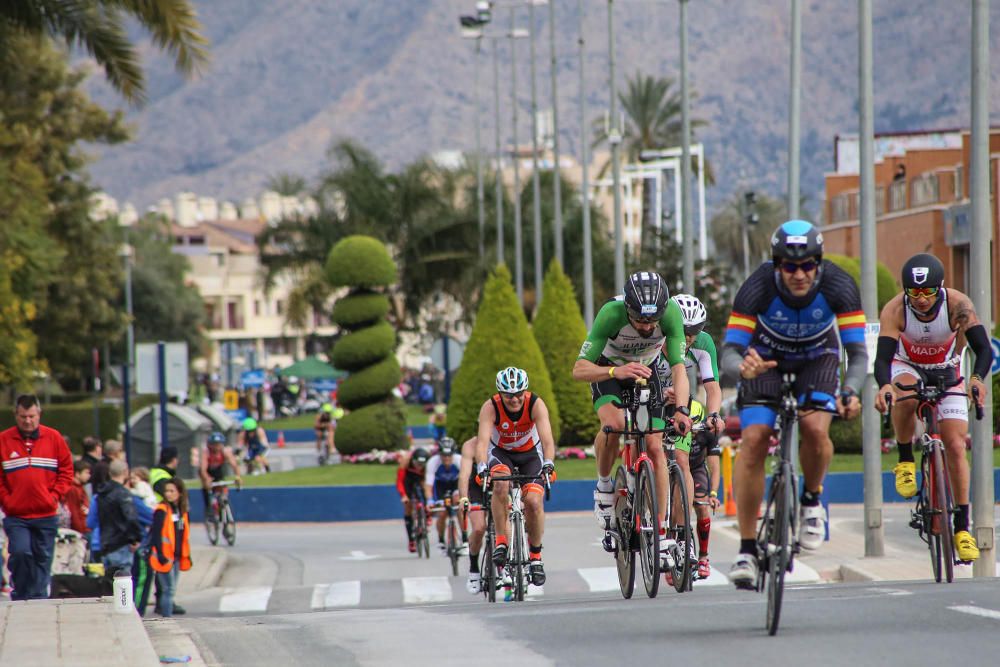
(415, 416)
(373, 473)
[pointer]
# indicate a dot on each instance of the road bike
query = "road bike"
(934, 513)
(636, 528)
(518, 560)
(679, 565)
(324, 447)
(420, 524)
(452, 531)
(219, 518)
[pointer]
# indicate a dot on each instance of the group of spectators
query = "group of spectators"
(128, 520)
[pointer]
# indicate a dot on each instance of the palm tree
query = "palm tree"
(652, 107)
(99, 27)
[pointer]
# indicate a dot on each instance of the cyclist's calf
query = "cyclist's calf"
(754, 443)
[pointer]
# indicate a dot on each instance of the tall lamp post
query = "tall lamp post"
(536, 194)
(615, 139)
(793, 112)
(557, 221)
(126, 252)
(482, 17)
(588, 260)
(687, 238)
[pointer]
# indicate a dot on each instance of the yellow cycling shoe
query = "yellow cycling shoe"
(965, 546)
(906, 478)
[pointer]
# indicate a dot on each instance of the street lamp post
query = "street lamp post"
(499, 153)
(480, 194)
(687, 237)
(518, 250)
(793, 112)
(536, 194)
(588, 261)
(557, 221)
(125, 252)
(614, 139)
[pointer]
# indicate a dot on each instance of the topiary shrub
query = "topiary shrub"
(360, 309)
(367, 346)
(559, 330)
(363, 264)
(500, 338)
(381, 423)
(885, 283)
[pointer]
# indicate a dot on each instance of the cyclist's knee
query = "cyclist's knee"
(533, 502)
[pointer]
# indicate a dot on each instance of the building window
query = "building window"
(256, 307)
(235, 315)
(279, 307)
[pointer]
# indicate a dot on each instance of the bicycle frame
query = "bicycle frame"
(518, 558)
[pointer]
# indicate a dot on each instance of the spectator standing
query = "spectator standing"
(36, 470)
(113, 451)
(139, 485)
(170, 551)
(164, 470)
(121, 532)
(92, 453)
(145, 502)
(77, 500)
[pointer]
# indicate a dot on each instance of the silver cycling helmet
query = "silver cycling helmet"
(511, 380)
(693, 312)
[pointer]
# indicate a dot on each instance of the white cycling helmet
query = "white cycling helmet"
(512, 380)
(693, 311)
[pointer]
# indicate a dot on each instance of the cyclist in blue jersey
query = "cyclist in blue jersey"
(441, 481)
(792, 314)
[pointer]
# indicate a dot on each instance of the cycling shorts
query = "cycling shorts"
(502, 462)
(700, 474)
(475, 490)
(217, 473)
(610, 391)
(819, 378)
(445, 488)
(413, 487)
(949, 407)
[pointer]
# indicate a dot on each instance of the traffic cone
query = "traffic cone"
(281, 439)
(727, 481)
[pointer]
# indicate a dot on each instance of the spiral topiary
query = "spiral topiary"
(367, 351)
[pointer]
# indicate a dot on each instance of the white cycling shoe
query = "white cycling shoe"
(743, 572)
(472, 584)
(812, 527)
(604, 503)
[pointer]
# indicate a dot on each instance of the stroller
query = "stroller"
(72, 577)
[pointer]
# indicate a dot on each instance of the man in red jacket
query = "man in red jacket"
(36, 470)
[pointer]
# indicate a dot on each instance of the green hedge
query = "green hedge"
(359, 309)
(376, 426)
(885, 282)
(559, 330)
(365, 347)
(360, 261)
(370, 385)
(500, 338)
(75, 421)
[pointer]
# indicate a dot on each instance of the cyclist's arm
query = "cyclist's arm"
(888, 339)
(608, 322)
(968, 324)
(262, 437)
(465, 467)
(743, 322)
(203, 469)
(404, 461)
(708, 368)
(486, 416)
(544, 426)
(841, 292)
(430, 472)
(713, 472)
(233, 463)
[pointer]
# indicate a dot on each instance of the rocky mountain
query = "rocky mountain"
(287, 78)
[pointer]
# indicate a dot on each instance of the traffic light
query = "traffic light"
(750, 200)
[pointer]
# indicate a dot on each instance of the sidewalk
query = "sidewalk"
(87, 632)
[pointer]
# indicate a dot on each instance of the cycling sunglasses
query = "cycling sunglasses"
(917, 292)
(693, 331)
(791, 267)
(639, 319)
(516, 394)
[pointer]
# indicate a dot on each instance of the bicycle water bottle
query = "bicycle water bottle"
(123, 593)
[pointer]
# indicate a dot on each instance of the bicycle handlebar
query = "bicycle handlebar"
(488, 481)
(225, 482)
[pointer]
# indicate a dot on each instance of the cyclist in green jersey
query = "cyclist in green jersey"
(698, 456)
(622, 346)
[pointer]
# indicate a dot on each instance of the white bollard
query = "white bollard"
(123, 593)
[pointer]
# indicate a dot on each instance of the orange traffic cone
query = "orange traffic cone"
(727, 481)
(281, 439)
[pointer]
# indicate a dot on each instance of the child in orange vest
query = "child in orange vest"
(170, 550)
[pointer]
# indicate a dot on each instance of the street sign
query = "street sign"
(147, 376)
(871, 342)
(323, 386)
(230, 399)
(252, 379)
(995, 344)
(455, 350)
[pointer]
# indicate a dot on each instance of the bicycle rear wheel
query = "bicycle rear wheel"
(228, 523)
(454, 542)
(423, 543)
(624, 553)
(777, 544)
(943, 512)
(646, 517)
(518, 552)
(681, 571)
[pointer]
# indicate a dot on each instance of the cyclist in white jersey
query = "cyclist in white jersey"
(923, 332)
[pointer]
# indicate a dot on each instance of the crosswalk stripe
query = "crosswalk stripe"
(600, 579)
(716, 578)
(426, 589)
(337, 594)
(977, 611)
(245, 599)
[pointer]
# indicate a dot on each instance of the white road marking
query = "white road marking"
(245, 599)
(337, 594)
(715, 578)
(892, 592)
(358, 555)
(426, 589)
(600, 579)
(977, 611)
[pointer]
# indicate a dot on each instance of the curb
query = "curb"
(132, 638)
(852, 573)
(213, 574)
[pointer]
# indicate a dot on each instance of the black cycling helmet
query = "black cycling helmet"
(923, 270)
(216, 438)
(419, 456)
(796, 240)
(646, 295)
(446, 447)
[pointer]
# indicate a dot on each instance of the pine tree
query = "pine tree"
(367, 351)
(560, 330)
(500, 338)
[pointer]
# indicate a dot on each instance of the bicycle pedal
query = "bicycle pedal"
(610, 543)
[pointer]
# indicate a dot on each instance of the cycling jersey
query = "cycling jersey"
(931, 344)
(443, 479)
(785, 328)
(613, 341)
(701, 357)
(515, 433)
(215, 463)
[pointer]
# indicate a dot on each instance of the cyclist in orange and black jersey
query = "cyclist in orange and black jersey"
(214, 459)
(514, 431)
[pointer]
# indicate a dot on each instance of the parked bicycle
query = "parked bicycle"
(516, 570)
(935, 508)
(219, 518)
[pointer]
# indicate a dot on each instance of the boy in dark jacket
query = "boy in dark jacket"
(121, 531)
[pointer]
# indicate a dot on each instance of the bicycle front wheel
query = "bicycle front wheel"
(777, 543)
(454, 541)
(680, 528)
(228, 523)
(943, 509)
(515, 564)
(648, 527)
(488, 571)
(624, 554)
(212, 524)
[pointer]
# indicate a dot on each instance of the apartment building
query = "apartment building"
(921, 200)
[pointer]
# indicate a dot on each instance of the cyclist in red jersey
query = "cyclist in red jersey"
(410, 485)
(514, 431)
(212, 467)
